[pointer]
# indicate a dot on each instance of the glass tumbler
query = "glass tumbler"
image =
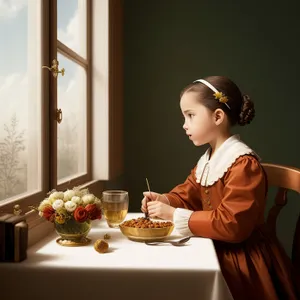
(115, 206)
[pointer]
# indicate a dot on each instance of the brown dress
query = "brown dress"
(231, 212)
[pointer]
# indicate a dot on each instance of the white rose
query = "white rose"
(76, 200)
(84, 192)
(98, 203)
(57, 204)
(43, 204)
(68, 194)
(88, 199)
(81, 192)
(56, 195)
(41, 214)
(70, 206)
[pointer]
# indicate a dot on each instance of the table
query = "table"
(129, 270)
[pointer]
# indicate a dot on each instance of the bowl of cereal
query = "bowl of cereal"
(142, 229)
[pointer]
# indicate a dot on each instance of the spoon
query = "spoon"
(180, 242)
(146, 213)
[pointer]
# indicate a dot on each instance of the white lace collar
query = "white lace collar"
(209, 171)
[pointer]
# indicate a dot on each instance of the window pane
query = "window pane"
(20, 98)
(71, 24)
(72, 139)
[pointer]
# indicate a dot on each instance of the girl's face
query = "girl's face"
(199, 122)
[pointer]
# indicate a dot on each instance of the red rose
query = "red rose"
(49, 213)
(80, 214)
(99, 214)
(93, 211)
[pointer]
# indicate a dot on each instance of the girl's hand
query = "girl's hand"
(160, 210)
(152, 197)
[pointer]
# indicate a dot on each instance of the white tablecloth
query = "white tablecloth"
(129, 270)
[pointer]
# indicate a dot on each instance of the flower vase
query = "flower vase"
(73, 233)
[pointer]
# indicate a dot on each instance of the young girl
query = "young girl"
(224, 197)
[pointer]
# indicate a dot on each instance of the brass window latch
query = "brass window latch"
(54, 68)
(59, 115)
(17, 210)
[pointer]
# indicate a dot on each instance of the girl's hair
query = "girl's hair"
(241, 110)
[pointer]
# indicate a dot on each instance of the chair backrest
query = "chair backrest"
(285, 178)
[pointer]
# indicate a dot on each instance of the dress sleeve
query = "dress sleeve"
(241, 208)
(186, 195)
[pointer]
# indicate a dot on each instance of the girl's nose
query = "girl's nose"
(184, 126)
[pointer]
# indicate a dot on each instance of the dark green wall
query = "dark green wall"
(168, 44)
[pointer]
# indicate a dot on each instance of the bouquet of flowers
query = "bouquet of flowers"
(76, 204)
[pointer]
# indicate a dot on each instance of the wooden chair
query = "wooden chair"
(285, 178)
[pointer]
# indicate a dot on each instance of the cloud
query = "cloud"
(69, 36)
(74, 34)
(8, 81)
(10, 8)
(72, 95)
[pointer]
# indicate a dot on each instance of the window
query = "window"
(71, 46)
(21, 94)
(57, 132)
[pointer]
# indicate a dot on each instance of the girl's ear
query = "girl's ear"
(219, 116)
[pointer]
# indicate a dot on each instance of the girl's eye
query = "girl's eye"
(190, 115)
